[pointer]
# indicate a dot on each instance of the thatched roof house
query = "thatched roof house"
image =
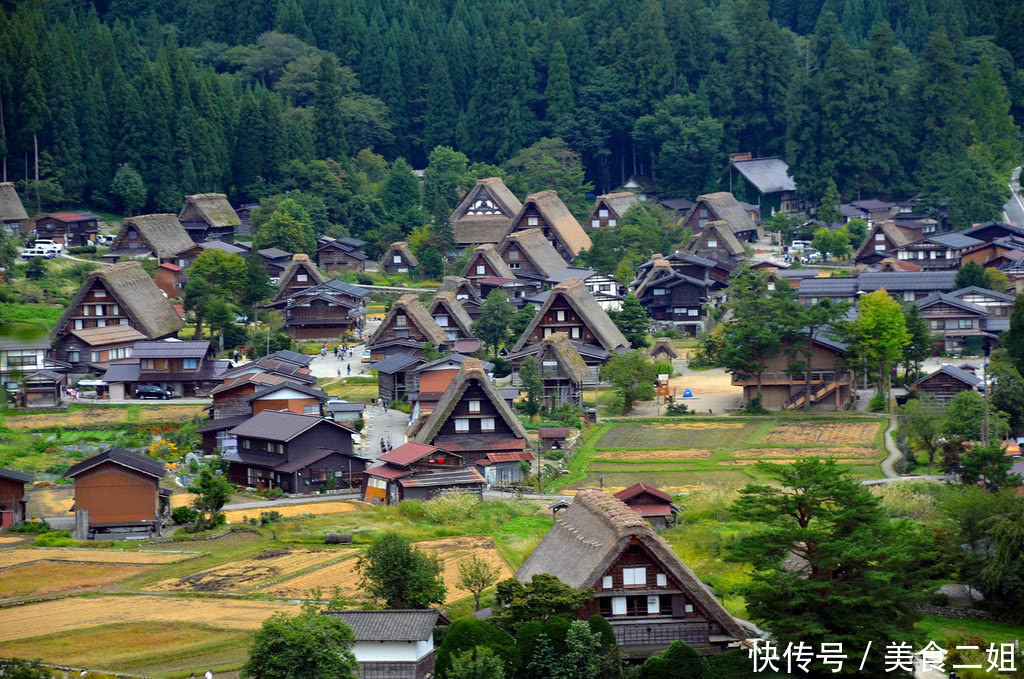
(485, 262)
(597, 326)
(409, 315)
(300, 274)
(484, 214)
(532, 249)
(12, 212)
(399, 258)
(209, 216)
(159, 235)
(546, 211)
(610, 208)
(663, 347)
(455, 316)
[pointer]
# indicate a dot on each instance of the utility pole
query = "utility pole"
(984, 384)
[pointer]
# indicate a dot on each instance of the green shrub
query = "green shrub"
(36, 526)
(677, 408)
(82, 250)
(877, 403)
(270, 517)
(754, 407)
(413, 509)
(271, 492)
(183, 515)
(452, 508)
(664, 368)
(56, 538)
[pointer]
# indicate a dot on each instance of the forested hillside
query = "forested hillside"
(886, 98)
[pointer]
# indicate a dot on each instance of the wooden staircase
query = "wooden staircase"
(818, 392)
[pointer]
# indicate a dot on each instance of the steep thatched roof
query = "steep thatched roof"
(410, 305)
(659, 268)
(565, 353)
(537, 249)
(590, 312)
(10, 205)
(163, 234)
(616, 203)
(299, 260)
(454, 309)
(400, 248)
(663, 345)
(554, 213)
(725, 207)
(136, 294)
(488, 224)
(212, 208)
(454, 284)
(723, 233)
(593, 532)
(490, 255)
(896, 234)
(472, 371)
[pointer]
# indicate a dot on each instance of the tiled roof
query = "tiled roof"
(954, 372)
(275, 425)
(16, 476)
(396, 625)
(459, 476)
(122, 457)
(395, 363)
(639, 488)
(188, 349)
(407, 453)
(769, 175)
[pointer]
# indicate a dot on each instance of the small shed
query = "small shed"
(663, 347)
(12, 497)
(946, 382)
(503, 469)
(344, 411)
(42, 388)
(397, 644)
(119, 495)
(653, 504)
(553, 438)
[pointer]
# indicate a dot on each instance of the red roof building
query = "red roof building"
(654, 505)
(416, 471)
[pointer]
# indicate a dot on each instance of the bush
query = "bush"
(754, 407)
(664, 368)
(877, 403)
(677, 408)
(271, 493)
(359, 425)
(56, 538)
(501, 367)
(413, 509)
(938, 599)
(270, 517)
(36, 526)
(451, 508)
(183, 515)
(82, 250)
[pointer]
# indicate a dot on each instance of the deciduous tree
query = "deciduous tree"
(632, 375)
(128, 186)
(495, 319)
(398, 575)
(301, 646)
(543, 597)
(533, 383)
(881, 333)
(922, 421)
(476, 575)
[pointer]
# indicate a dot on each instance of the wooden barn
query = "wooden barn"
(672, 298)
(342, 254)
(946, 382)
(120, 494)
(300, 274)
(722, 206)
(325, 311)
(465, 294)
(717, 241)
(209, 216)
(654, 505)
(12, 497)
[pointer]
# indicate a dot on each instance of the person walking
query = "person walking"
(348, 367)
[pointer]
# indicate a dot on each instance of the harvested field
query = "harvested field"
(50, 617)
(747, 463)
(8, 540)
(17, 557)
(343, 574)
(83, 417)
(653, 455)
(56, 576)
(247, 573)
(317, 508)
(233, 540)
(823, 432)
(170, 413)
(678, 436)
(842, 451)
(182, 500)
(668, 481)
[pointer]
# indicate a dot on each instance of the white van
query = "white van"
(34, 252)
(49, 245)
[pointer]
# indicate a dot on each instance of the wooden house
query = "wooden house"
(839, 289)
(784, 389)
(674, 299)
(994, 253)
(342, 254)
(272, 366)
(393, 375)
(547, 212)
(12, 497)
(946, 382)
(769, 178)
(663, 349)
(209, 216)
(231, 397)
(275, 261)
(465, 294)
(690, 265)
(73, 229)
(472, 419)
(324, 311)
(561, 367)
(393, 644)
(992, 230)
(170, 278)
(185, 368)
(399, 259)
(42, 388)
(160, 237)
(293, 452)
(906, 286)
(13, 217)
(995, 304)
(653, 504)
(722, 207)
(487, 271)
(531, 257)
(609, 209)
(20, 356)
(642, 186)
(716, 241)
(954, 319)
(941, 251)
(874, 210)
(120, 295)
(416, 471)
(244, 213)
(504, 469)
(299, 275)
(553, 438)
(484, 215)
(404, 330)
(429, 381)
(451, 316)
(93, 349)
(883, 240)
(118, 495)
(640, 586)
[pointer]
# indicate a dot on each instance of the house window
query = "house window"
(461, 424)
(880, 248)
(653, 607)
(396, 259)
(246, 444)
(114, 310)
(618, 605)
(771, 285)
(595, 222)
(377, 483)
(908, 295)
(102, 323)
(634, 577)
(317, 475)
(487, 424)
(602, 213)
(302, 278)
(73, 356)
(712, 243)
(98, 292)
(401, 321)
(703, 213)
(879, 236)
(98, 309)
(474, 406)
(612, 222)
(606, 582)
(441, 320)
(692, 312)
(605, 287)
(560, 315)
(480, 270)
(547, 332)
(311, 410)
(662, 580)
(513, 255)
(78, 324)
(935, 325)
(965, 323)
(549, 365)
(123, 321)
(95, 356)
(514, 266)
(189, 363)
(574, 333)
(920, 254)
(452, 335)
(531, 221)
(688, 608)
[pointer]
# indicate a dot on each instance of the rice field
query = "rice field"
(316, 508)
(45, 577)
(170, 413)
(100, 416)
(823, 432)
(248, 573)
(17, 557)
(51, 617)
(682, 435)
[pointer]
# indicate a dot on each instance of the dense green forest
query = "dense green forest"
(889, 98)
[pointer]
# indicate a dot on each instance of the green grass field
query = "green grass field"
(45, 315)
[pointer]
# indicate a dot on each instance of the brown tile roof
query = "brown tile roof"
(135, 293)
(417, 314)
(726, 208)
(472, 371)
(163, 233)
(108, 335)
(455, 310)
(255, 379)
(10, 204)
(638, 488)
(580, 299)
(593, 532)
(557, 215)
(537, 249)
(212, 208)
(474, 229)
(407, 453)
(404, 249)
(490, 254)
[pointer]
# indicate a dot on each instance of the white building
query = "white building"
(394, 644)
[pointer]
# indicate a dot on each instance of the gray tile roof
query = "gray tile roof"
(951, 300)
(937, 281)
(955, 373)
(120, 456)
(397, 625)
(276, 425)
(828, 287)
(395, 363)
(975, 290)
(12, 475)
(957, 241)
(188, 349)
(769, 175)
(291, 357)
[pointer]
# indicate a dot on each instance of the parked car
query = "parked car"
(144, 391)
(34, 253)
(48, 245)
(366, 356)
(105, 238)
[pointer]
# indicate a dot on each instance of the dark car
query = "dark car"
(152, 391)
